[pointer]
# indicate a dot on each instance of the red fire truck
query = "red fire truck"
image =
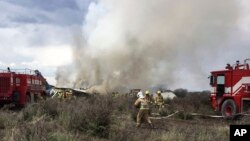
(21, 86)
(230, 92)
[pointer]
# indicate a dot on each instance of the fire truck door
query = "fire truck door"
(220, 85)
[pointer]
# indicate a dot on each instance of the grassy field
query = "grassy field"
(100, 118)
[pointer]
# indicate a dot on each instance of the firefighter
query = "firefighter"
(143, 113)
(159, 101)
(229, 67)
(237, 65)
(148, 97)
(149, 100)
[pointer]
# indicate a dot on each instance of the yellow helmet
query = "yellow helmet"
(158, 92)
(146, 92)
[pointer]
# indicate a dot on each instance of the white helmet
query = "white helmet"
(140, 94)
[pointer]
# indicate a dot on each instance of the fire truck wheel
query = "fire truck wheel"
(228, 109)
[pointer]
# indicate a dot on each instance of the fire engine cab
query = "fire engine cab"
(230, 92)
(21, 86)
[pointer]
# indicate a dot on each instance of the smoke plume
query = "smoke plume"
(141, 44)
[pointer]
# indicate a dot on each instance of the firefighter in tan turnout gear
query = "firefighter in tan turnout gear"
(150, 101)
(143, 113)
(148, 97)
(159, 101)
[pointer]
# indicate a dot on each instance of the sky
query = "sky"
(40, 35)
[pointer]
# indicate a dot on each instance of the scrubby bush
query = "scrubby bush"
(31, 111)
(58, 136)
(56, 119)
(92, 116)
(53, 107)
(98, 118)
(192, 102)
(123, 103)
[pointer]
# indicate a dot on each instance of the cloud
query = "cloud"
(47, 56)
(38, 34)
(47, 5)
(59, 12)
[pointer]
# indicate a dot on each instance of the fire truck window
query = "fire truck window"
(221, 80)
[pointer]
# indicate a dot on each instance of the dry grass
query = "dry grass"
(99, 118)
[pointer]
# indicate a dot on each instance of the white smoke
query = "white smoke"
(140, 44)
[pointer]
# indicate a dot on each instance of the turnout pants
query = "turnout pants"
(143, 115)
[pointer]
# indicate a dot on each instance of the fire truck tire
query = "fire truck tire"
(228, 109)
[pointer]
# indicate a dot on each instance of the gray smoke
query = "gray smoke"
(140, 44)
